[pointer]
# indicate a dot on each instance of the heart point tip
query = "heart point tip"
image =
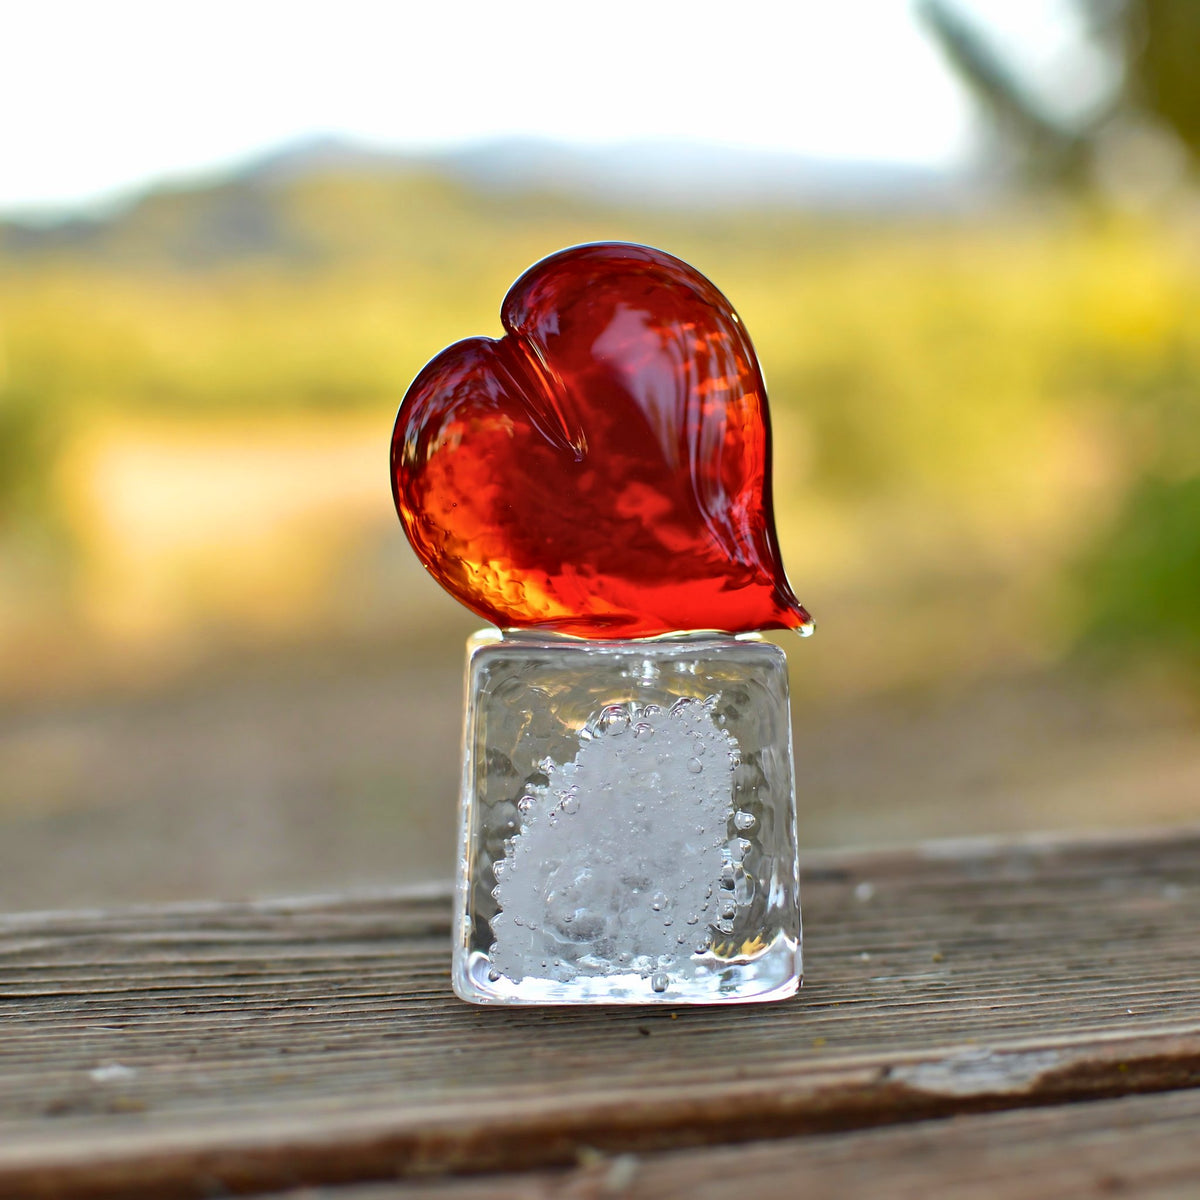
(797, 619)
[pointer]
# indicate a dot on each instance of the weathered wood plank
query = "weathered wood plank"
(169, 1052)
(1143, 1146)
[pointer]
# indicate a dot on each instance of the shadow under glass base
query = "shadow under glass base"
(627, 823)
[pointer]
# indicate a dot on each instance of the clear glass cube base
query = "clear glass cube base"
(628, 823)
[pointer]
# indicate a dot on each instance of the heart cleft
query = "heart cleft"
(602, 470)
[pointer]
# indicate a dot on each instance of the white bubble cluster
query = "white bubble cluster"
(617, 864)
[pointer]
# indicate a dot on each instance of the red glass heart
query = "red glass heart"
(604, 468)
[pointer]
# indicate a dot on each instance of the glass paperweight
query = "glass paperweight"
(628, 829)
(597, 484)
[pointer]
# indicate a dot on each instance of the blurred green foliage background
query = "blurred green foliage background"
(222, 670)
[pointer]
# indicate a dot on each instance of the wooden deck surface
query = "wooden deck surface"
(1022, 1017)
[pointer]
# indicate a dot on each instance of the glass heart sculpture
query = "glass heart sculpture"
(603, 469)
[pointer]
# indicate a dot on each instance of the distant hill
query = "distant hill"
(271, 206)
(674, 173)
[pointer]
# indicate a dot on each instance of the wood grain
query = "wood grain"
(201, 1049)
(1142, 1146)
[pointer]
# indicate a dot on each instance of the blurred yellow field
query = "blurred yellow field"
(959, 409)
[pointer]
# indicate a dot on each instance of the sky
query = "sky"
(100, 99)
